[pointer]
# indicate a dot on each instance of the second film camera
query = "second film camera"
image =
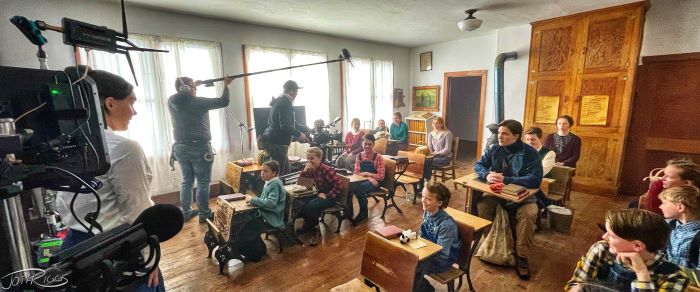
(321, 134)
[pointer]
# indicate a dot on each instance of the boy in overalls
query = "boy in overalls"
(370, 165)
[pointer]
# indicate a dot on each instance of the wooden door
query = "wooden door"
(580, 66)
(665, 120)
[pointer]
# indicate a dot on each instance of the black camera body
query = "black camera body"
(324, 137)
(58, 122)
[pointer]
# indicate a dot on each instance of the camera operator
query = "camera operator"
(125, 192)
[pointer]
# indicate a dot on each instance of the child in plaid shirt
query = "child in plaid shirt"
(682, 205)
(629, 258)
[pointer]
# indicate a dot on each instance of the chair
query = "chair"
(442, 172)
(340, 210)
(414, 172)
(380, 145)
(560, 190)
(290, 178)
(385, 265)
(466, 236)
(336, 150)
(387, 186)
(279, 233)
(233, 176)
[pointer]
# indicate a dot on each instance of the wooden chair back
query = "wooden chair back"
(562, 175)
(415, 169)
(233, 175)
(380, 145)
(389, 172)
(455, 150)
(288, 208)
(466, 236)
(387, 265)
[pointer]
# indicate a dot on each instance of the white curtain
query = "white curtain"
(314, 79)
(368, 83)
(156, 73)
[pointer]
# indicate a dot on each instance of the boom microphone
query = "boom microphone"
(346, 55)
(162, 220)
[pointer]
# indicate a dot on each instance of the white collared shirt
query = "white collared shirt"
(547, 161)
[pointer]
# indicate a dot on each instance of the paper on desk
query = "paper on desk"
(417, 244)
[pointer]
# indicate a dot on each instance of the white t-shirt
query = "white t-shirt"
(125, 192)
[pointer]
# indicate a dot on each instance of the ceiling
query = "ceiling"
(408, 23)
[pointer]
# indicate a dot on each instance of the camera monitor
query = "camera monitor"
(59, 122)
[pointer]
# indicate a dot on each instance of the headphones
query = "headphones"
(184, 88)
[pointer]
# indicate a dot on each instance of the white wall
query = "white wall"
(16, 50)
(461, 55)
(515, 39)
(671, 27)
(479, 53)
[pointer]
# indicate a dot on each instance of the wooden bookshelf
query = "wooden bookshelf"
(419, 125)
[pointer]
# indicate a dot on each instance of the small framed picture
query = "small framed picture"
(426, 61)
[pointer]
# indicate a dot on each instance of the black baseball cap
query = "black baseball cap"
(291, 85)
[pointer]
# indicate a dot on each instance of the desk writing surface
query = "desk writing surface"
(471, 181)
(354, 178)
(477, 222)
(422, 253)
(241, 206)
(544, 186)
(251, 168)
(462, 180)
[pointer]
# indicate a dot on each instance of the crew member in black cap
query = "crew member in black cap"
(281, 126)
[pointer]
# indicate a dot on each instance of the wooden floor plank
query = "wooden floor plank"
(337, 259)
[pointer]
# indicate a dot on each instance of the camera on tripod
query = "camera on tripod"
(321, 134)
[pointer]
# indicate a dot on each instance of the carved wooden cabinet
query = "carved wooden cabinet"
(584, 65)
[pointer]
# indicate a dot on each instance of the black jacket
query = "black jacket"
(281, 124)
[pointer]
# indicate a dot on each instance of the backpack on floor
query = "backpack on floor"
(250, 243)
(497, 247)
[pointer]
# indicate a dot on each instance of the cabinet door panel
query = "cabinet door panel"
(598, 156)
(608, 43)
(553, 48)
(599, 94)
(546, 87)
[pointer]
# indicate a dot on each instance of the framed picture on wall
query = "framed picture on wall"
(426, 98)
(426, 61)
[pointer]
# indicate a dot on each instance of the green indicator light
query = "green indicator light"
(55, 91)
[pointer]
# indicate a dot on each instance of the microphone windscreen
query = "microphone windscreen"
(345, 53)
(162, 220)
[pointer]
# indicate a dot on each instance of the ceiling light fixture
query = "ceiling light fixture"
(470, 23)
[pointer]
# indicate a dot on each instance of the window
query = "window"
(314, 95)
(156, 73)
(368, 82)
